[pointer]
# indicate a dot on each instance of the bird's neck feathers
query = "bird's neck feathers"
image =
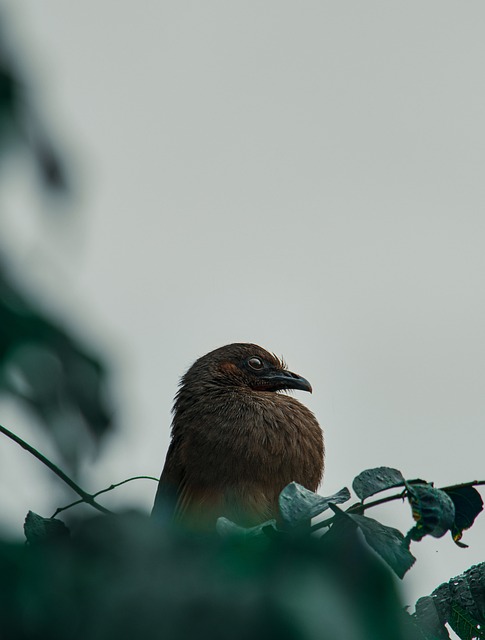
(225, 405)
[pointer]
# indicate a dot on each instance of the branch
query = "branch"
(110, 488)
(472, 483)
(86, 497)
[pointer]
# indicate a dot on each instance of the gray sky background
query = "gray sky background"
(303, 175)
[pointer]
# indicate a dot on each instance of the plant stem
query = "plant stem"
(472, 483)
(86, 497)
(110, 488)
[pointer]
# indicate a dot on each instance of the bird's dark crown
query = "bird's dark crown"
(241, 365)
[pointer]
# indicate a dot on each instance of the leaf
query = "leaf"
(460, 602)
(373, 481)
(298, 505)
(122, 577)
(433, 510)
(388, 542)
(464, 624)
(428, 621)
(468, 504)
(38, 529)
(228, 529)
(51, 373)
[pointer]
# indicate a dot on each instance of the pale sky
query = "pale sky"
(308, 176)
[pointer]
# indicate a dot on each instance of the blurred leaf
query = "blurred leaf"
(20, 122)
(388, 542)
(8, 93)
(298, 505)
(51, 373)
(50, 166)
(433, 510)
(227, 528)
(373, 481)
(38, 529)
(468, 504)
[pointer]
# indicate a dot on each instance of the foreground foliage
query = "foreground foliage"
(289, 578)
(125, 577)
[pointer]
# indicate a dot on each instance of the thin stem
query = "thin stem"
(473, 483)
(86, 497)
(98, 493)
(360, 507)
(322, 524)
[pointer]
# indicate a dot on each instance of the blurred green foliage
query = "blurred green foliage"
(125, 577)
(42, 363)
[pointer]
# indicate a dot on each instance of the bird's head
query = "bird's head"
(244, 366)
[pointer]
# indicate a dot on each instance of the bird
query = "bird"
(237, 440)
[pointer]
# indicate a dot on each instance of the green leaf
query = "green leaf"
(299, 505)
(464, 624)
(428, 621)
(38, 529)
(229, 529)
(388, 542)
(51, 372)
(468, 504)
(433, 510)
(460, 602)
(373, 481)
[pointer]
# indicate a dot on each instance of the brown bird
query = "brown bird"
(237, 442)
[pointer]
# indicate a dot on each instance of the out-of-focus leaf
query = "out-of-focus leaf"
(51, 169)
(51, 373)
(38, 529)
(388, 542)
(298, 505)
(433, 510)
(228, 528)
(7, 93)
(460, 602)
(373, 481)
(19, 120)
(468, 504)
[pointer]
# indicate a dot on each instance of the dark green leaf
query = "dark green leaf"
(468, 504)
(299, 505)
(38, 529)
(428, 620)
(433, 510)
(388, 542)
(52, 373)
(373, 481)
(459, 602)
(464, 624)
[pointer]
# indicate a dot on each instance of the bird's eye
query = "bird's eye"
(255, 363)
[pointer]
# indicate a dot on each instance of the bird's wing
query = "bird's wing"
(170, 485)
(178, 498)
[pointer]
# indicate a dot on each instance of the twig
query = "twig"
(86, 497)
(110, 488)
(473, 483)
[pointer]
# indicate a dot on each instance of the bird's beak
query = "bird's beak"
(276, 380)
